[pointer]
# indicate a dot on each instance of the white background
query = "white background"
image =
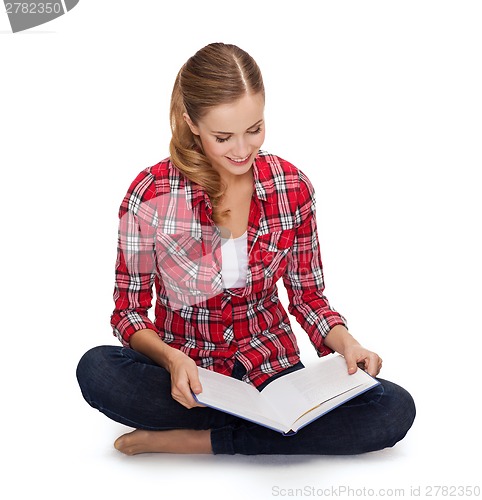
(379, 102)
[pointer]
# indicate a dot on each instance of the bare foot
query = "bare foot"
(170, 441)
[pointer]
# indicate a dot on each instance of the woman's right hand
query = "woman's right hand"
(183, 369)
(184, 378)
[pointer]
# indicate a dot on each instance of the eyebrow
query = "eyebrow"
(231, 133)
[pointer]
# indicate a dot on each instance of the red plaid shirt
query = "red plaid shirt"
(168, 239)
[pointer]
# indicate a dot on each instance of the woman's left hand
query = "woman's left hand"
(340, 340)
(356, 355)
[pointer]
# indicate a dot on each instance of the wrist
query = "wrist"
(169, 357)
(339, 339)
(149, 343)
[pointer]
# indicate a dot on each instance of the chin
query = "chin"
(235, 170)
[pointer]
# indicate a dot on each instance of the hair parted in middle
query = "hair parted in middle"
(217, 74)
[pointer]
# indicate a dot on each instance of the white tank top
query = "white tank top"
(234, 253)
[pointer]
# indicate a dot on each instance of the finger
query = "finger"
(380, 363)
(197, 403)
(373, 365)
(181, 392)
(195, 386)
(351, 363)
(194, 381)
(189, 390)
(187, 401)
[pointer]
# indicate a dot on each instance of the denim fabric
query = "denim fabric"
(131, 389)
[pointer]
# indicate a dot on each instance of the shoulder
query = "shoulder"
(153, 179)
(276, 164)
(157, 179)
(283, 174)
(151, 183)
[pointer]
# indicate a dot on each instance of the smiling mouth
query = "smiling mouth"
(239, 161)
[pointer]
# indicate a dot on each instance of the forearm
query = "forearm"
(183, 370)
(147, 342)
(338, 339)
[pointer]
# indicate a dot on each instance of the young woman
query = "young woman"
(212, 229)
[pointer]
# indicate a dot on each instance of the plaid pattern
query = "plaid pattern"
(167, 240)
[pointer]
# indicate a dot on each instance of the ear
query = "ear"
(194, 129)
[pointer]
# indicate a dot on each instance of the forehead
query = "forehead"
(236, 116)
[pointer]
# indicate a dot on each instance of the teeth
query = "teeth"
(239, 161)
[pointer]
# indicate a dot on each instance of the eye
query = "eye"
(257, 131)
(222, 139)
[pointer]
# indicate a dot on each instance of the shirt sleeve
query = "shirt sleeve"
(303, 277)
(135, 264)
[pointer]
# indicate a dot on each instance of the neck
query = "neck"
(237, 181)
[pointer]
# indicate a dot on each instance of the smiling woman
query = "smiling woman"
(232, 153)
(217, 114)
(216, 307)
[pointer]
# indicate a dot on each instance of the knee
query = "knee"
(87, 363)
(90, 370)
(400, 410)
(406, 410)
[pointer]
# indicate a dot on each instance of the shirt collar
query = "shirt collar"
(262, 178)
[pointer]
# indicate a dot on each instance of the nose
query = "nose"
(240, 148)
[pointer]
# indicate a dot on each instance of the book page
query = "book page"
(236, 397)
(331, 404)
(298, 392)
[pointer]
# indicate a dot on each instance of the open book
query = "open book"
(290, 402)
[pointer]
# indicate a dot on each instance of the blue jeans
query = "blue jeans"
(131, 389)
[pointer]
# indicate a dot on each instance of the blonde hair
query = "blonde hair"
(217, 74)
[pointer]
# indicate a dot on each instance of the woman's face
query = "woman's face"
(232, 134)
